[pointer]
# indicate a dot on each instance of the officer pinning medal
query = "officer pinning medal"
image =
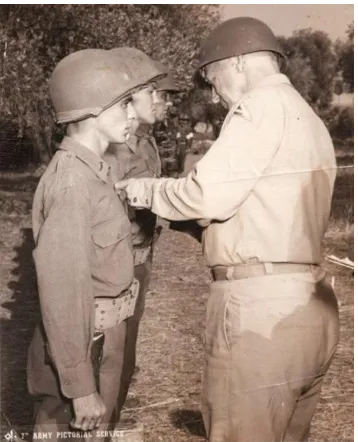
(264, 219)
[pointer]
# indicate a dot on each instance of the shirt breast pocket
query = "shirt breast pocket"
(114, 252)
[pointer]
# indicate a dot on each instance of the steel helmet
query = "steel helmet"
(142, 67)
(238, 36)
(87, 82)
(166, 83)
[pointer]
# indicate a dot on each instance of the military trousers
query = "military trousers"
(269, 342)
(142, 273)
(54, 412)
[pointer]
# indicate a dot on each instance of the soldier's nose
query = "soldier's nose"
(132, 115)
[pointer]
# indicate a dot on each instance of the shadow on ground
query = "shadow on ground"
(15, 336)
(190, 420)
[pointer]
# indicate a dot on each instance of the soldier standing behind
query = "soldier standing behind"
(83, 254)
(138, 158)
(171, 142)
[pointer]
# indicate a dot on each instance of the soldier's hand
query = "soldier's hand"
(89, 411)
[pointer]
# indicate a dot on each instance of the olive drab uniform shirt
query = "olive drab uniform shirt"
(137, 158)
(83, 251)
(266, 184)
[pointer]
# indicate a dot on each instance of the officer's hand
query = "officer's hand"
(89, 411)
(120, 188)
(138, 191)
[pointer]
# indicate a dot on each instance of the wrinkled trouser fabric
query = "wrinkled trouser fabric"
(142, 273)
(54, 412)
(269, 342)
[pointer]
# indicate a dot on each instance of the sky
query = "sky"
(284, 19)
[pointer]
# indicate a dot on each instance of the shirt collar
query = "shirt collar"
(132, 143)
(94, 161)
(144, 131)
(271, 80)
(274, 80)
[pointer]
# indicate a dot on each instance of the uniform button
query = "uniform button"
(146, 201)
(103, 312)
(96, 306)
(135, 199)
(114, 302)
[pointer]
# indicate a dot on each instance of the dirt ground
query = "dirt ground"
(167, 386)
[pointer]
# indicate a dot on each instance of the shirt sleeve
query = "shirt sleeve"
(228, 172)
(62, 263)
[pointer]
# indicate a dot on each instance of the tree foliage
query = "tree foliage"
(345, 53)
(34, 38)
(311, 65)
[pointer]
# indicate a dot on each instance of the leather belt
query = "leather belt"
(243, 271)
(112, 311)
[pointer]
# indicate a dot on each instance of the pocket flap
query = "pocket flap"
(111, 232)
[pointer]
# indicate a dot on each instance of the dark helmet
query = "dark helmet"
(237, 36)
(142, 67)
(87, 82)
(166, 83)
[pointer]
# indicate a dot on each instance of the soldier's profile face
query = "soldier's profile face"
(115, 122)
(143, 105)
(160, 99)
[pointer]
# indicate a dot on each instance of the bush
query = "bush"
(344, 128)
(340, 122)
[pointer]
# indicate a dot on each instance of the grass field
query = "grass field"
(170, 342)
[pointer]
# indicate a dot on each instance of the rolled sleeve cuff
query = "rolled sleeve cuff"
(77, 381)
(140, 191)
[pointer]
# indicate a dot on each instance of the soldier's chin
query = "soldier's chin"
(123, 137)
(151, 119)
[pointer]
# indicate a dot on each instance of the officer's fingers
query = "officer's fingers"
(121, 185)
